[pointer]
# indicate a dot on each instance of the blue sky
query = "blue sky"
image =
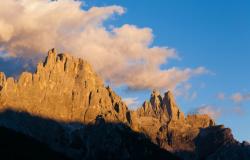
(214, 34)
(209, 33)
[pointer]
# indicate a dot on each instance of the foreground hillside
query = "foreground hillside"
(14, 145)
(66, 106)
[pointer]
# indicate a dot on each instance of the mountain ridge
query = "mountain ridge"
(67, 89)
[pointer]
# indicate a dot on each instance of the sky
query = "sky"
(198, 49)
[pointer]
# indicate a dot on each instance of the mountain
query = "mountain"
(14, 145)
(62, 88)
(66, 106)
(192, 137)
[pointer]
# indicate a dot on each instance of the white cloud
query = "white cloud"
(238, 110)
(212, 111)
(122, 55)
(7, 31)
(237, 97)
(218, 111)
(240, 97)
(131, 102)
(221, 96)
(193, 96)
(184, 91)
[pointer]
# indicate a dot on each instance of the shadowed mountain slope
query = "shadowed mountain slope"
(65, 105)
(92, 141)
(14, 145)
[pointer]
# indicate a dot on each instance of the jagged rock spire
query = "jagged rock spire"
(67, 89)
(2, 79)
(62, 88)
(156, 100)
(164, 108)
(173, 110)
(51, 58)
(153, 107)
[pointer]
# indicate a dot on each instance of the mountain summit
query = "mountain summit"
(65, 105)
(62, 88)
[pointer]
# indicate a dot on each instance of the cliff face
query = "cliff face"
(192, 137)
(63, 88)
(90, 118)
(162, 120)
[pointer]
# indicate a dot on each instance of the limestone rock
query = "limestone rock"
(173, 110)
(217, 142)
(192, 137)
(163, 108)
(2, 79)
(62, 88)
(75, 106)
(162, 120)
(199, 121)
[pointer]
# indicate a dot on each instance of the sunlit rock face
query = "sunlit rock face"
(191, 137)
(2, 80)
(80, 117)
(163, 121)
(162, 108)
(62, 88)
(66, 105)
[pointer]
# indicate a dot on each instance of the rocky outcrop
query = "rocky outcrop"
(2, 79)
(217, 142)
(66, 105)
(79, 116)
(99, 140)
(162, 108)
(162, 120)
(192, 137)
(62, 88)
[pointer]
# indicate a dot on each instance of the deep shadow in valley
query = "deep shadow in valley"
(24, 136)
(14, 145)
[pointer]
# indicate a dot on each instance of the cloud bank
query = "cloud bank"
(240, 97)
(131, 102)
(212, 111)
(237, 97)
(221, 96)
(219, 111)
(122, 55)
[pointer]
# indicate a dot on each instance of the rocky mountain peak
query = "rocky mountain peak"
(2, 79)
(173, 110)
(155, 93)
(164, 108)
(169, 94)
(68, 85)
(155, 100)
(154, 107)
(68, 91)
(51, 58)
